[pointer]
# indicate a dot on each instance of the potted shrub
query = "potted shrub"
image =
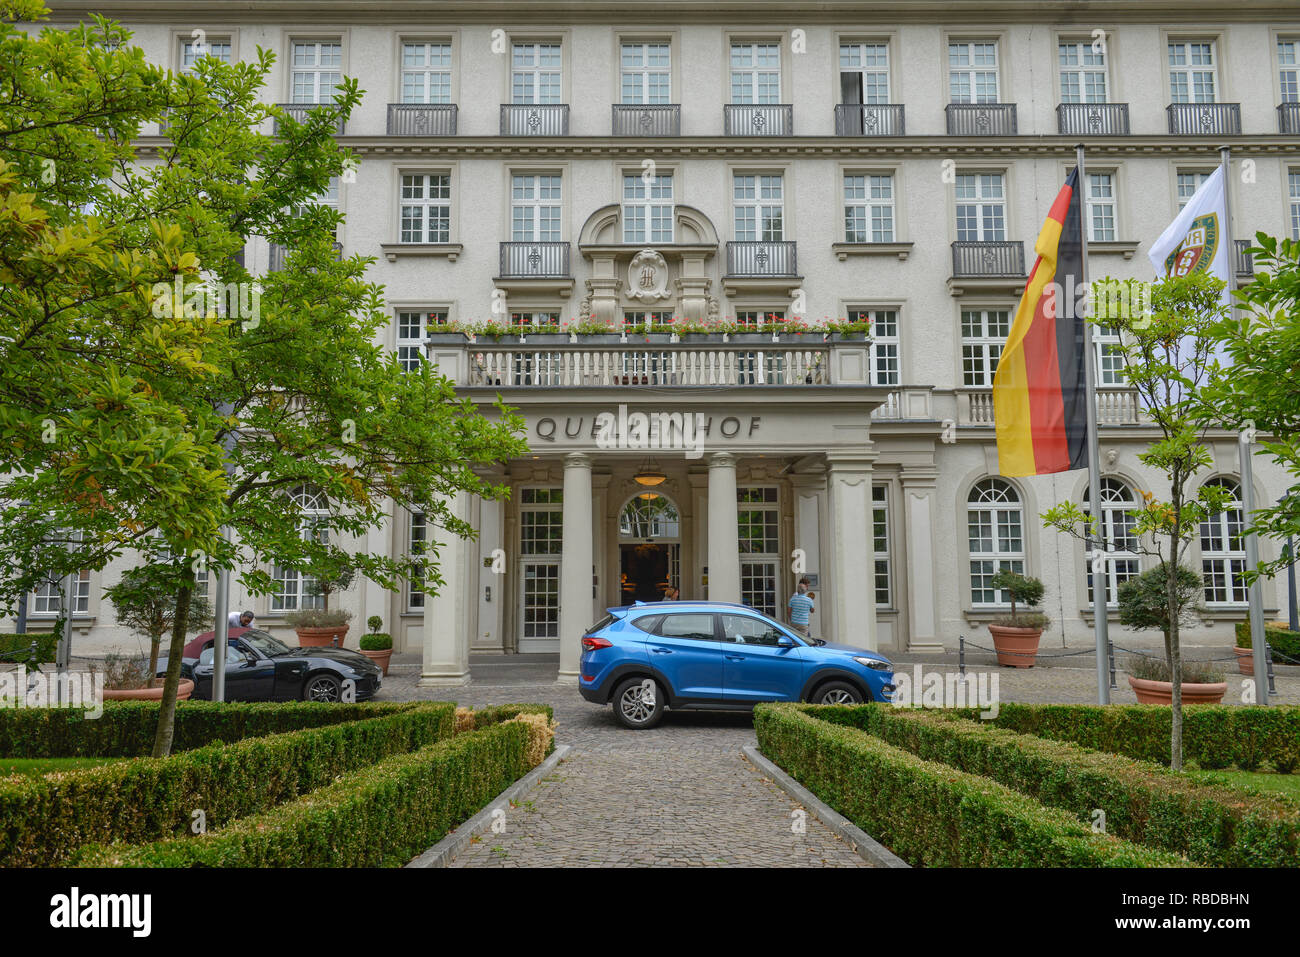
(144, 600)
(1015, 636)
(375, 644)
(130, 678)
(319, 627)
(1283, 644)
(1144, 603)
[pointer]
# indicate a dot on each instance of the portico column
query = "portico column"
(724, 542)
(446, 614)
(575, 564)
(918, 549)
(852, 597)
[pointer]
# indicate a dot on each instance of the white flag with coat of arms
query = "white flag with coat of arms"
(1197, 239)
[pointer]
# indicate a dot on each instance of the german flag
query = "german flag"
(1039, 390)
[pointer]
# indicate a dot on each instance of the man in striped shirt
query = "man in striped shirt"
(800, 607)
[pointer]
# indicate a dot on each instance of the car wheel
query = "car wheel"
(639, 703)
(322, 688)
(837, 692)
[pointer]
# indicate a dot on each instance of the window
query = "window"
(1223, 550)
(191, 50)
(695, 626)
(864, 73)
(757, 519)
(755, 73)
(46, 599)
(983, 334)
(413, 327)
(746, 630)
(1101, 207)
(1293, 191)
(645, 75)
(1110, 355)
(973, 72)
(535, 73)
(315, 72)
(651, 318)
(748, 363)
(880, 544)
(541, 528)
(759, 207)
(1288, 63)
(647, 209)
(649, 515)
(1188, 184)
(1083, 72)
(293, 590)
(981, 208)
(868, 208)
(993, 520)
(416, 543)
(535, 208)
(535, 318)
(426, 72)
(884, 355)
(1191, 72)
(426, 208)
(1119, 540)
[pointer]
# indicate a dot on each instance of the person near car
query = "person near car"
(671, 594)
(240, 619)
(800, 607)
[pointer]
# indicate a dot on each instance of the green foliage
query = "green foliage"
(1282, 643)
(43, 821)
(380, 816)
(1144, 802)
(18, 647)
(318, 618)
(144, 600)
(375, 641)
(1022, 590)
(928, 813)
(1144, 600)
(1148, 668)
(375, 623)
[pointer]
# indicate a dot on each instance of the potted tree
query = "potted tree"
(1015, 636)
(1282, 644)
(1144, 603)
(324, 627)
(375, 644)
(144, 600)
(131, 678)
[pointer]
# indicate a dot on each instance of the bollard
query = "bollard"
(1268, 658)
(1110, 654)
(961, 655)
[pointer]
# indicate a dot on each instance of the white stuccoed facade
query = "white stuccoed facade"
(860, 477)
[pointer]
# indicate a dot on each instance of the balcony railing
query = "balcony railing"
(656, 119)
(421, 119)
(534, 119)
(299, 111)
(1092, 119)
(759, 259)
(280, 255)
(1205, 119)
(869, 119)
(758, 119)
(981, 119)
(992, 260)
(1115, 407)
(1243, 262)
(1288, 118)
(534, 260)
(675, 364)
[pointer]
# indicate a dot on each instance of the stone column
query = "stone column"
(809, 507)
(852, 595)
(575, 564)
(724, 543)
(446, 614)
(918, 563)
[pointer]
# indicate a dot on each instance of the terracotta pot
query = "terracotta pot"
(1162, 692)
(183, 692)
(1015, 646)
(1245, 660)
(322, 637)
(379, 657)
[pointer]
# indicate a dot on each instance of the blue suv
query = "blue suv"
(644, 657)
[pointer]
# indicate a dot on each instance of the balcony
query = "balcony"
(869, 119)
(534, 119)
(761, 259)
(299, 111)
(1092, 119)
(758, 119)
(1288, 118)
(1116, 407)
(535, 266)
(1243, 263)
(1204, 119)
(421, 119)
(981, 119)
(658, 119)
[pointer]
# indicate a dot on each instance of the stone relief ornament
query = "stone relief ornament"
(647, 276)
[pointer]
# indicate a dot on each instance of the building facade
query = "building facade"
(541, 163)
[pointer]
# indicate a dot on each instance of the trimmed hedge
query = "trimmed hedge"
(486, 717)
(381, 816)
(1283, 643)
(1143, 802)
(126, 728)
(931, 814)
(43, 820)
(1214, 736)
(47, 643)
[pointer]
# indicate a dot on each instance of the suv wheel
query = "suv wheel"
(837, 692)
(639, 703)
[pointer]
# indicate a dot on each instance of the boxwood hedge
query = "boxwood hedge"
(379, 816)
(931, 814)
(44, 819)
(1143, 802)
(1283, 643)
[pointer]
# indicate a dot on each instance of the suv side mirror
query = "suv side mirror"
(784, 641)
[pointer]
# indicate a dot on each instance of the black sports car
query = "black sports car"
(260, 667)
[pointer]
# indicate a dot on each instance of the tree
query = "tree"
(144, 600)
(1167, 359)
(1144, 600)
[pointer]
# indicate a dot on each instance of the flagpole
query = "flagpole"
(1100, 622)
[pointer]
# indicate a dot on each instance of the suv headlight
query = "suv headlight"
(875, 664)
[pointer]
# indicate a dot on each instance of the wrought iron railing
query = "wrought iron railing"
(299, 111)
(651, 119)
(422, 119)
(869, 119)
(1092, 119)
(534, 119)
(525, 260)
(757, 259)
(1205, 119)
(988, 259)
(981, 119)
(758, 119)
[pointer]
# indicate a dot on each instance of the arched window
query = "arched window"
(1118, 539)
(1223, 552)
(295, 590)
(649, 515)
(994, 522)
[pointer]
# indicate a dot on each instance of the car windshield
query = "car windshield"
(265, 645)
